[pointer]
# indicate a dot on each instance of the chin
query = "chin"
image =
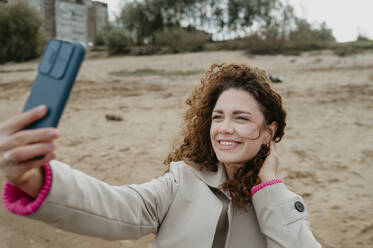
(228, 161)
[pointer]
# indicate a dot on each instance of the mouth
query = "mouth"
(228, 144)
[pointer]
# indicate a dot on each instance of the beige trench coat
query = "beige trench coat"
(178, 207)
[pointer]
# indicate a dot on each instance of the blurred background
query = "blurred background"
(170, 26)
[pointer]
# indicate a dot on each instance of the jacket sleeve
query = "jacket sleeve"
(82, 204)
(282, 218)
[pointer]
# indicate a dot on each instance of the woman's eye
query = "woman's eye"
(242, 118)
(216, 117)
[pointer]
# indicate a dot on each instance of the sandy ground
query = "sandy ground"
(326, 154)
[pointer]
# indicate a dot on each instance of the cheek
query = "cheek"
(213, 130)
(251, 131)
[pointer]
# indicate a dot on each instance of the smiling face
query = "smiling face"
(238, 127)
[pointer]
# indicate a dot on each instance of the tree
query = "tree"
(243, 13)
(305, 33)
(362, 37)
(117, 41)
(20, 35)
(144, 18)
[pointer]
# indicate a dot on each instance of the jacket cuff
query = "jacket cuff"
(258, 187)
(18, 202)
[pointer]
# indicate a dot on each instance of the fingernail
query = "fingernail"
(51, 146)
(52, 134)
(40, 109)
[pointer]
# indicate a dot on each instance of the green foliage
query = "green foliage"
(235, 44)
(145, 18)
(155, 27)
(362, 37)
(368, 44)
(99, 39)
(305, 33)
(343, 51)
(274, 39)
(352, 48)
(20, 35)
(243, 13)
(117, 41)
(267, 42)
(182, 39)
(142, 19)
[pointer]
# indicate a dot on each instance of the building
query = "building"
(77, 20)
(97, 19)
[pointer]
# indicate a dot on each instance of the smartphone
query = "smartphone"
(57, 71)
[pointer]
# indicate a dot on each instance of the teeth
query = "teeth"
(225, 143)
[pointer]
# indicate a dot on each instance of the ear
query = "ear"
(271, 131)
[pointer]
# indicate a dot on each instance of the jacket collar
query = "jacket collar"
(211, 178)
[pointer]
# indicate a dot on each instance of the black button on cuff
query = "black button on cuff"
(299, 206)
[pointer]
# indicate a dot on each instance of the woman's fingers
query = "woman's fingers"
(271, 164)
(23, 154)
(24, 137)
(275, 157)
(39, 162)
(23, 151)
(272, 147)
(19, 174)
(23, 120)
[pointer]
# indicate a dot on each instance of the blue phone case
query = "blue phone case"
(58, 69)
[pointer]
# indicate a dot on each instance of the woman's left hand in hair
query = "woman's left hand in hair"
(271, 164)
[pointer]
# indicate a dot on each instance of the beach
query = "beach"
(124, 115)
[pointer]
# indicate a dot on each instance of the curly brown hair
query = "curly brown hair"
(196, 146)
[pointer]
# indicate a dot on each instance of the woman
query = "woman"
(222, 192)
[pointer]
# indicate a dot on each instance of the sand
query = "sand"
(119, 127)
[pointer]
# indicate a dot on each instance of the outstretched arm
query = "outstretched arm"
(78, 203)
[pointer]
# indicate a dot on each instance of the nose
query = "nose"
(226, 127)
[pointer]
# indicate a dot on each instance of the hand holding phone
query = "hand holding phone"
(24, 152)
(18, 149)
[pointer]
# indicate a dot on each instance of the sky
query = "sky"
(347, 18)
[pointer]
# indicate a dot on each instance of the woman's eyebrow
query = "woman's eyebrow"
(237, 112)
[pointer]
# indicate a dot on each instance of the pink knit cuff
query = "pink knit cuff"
(18, 202)
(258, 187)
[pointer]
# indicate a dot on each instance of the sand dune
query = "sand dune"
(124, 113)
